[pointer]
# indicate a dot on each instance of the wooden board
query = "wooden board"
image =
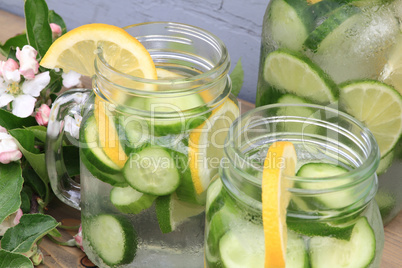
(67, 257)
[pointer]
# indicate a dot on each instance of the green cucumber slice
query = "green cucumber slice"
(129, 200)
(321, 229)
(386, 202)
(215, 200)
(173, 115)
(288, 22)
(186, 191)
(329, 26)
(152, 171)
(294, 73)
(133, 132)
(323, 172)
(358, 252)
(112, 237)
(115, 179)
(171, 212)
(90, 148)
(243, 247)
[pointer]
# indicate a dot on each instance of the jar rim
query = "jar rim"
(368, 166)
(219, 70)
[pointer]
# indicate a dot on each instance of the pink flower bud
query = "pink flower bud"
(78, 238)
(28, 64)
(18, 216)
(42, 115)
(56, 30)
(9, 65)
(9, 150)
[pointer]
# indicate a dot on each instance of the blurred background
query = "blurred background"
(237, 22)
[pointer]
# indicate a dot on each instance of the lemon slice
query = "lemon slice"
(107, 133)
(76, 50)
(206, 142)
(280, 161)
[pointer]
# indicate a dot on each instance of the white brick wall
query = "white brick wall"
(236, 22)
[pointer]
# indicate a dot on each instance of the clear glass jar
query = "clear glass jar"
(332, 220)
(142, 191)
(344, 45)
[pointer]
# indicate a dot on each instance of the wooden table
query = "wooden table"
(68, 257)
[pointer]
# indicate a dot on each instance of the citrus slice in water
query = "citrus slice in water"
(378, 106)
(293, 73)
(392, 72)
(280, 162)
(107, 132)
(206, 143)
(171, 212)
(76, 50)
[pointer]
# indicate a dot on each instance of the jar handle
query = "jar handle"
(68, 104)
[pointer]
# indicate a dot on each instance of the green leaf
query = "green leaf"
(71, 157)
(56, 18)
(237, 77)
(25, 201)
(39, 132)
(9, 259)
(31, 228)
(26, 141)
(35, 182)
(10, 121)
(10, 188)
(37, 25)
(14, 42)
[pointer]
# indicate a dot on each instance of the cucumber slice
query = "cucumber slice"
(171, 212)
(133, 132)
(186, 191)
(323, 173)
(289, 23)
(90, 148)
(243, 246)
(296, 253)
(173, 115)
(152, 171)
(321, 229)
(358, 252)
(112, 237)
(128, 200)
(115, 179)
(215, 200)
(386, 202)
(334, 20)
(294, 73)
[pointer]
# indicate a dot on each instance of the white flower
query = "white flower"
(28, 64)
(56, 30)
(71, 79)
(9, 150)
(23, 98)
(72, 125)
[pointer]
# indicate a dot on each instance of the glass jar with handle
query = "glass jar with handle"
(148, 148)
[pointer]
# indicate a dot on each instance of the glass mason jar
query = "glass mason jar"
(343, 53)
(146, 156)
(332, 217)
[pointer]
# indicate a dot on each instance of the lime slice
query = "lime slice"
(171, 212)
(377, 105)
(392, 72)
(288, 22)
(296, 74)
